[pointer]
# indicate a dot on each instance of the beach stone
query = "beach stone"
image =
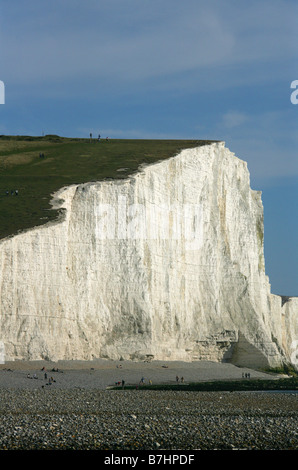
(90, 419)
(79, 411)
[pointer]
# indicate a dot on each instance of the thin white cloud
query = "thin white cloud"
(234, 119)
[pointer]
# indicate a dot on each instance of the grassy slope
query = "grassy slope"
(67, 161)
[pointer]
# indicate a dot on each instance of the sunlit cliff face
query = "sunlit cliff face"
(168, 263)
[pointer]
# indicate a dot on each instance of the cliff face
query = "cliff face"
(167, 263)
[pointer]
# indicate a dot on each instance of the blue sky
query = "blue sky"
(213, 69)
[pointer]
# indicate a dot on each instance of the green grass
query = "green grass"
(224, 385)
(287, 369)
(67, 161)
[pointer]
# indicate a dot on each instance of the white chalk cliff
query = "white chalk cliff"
(167, 263)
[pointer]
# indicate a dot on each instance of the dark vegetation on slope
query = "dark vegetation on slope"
(246, 385)
(66, 161)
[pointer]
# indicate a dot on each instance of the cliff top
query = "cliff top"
(33, 168)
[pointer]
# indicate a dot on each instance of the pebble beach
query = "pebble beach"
(72, 406)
